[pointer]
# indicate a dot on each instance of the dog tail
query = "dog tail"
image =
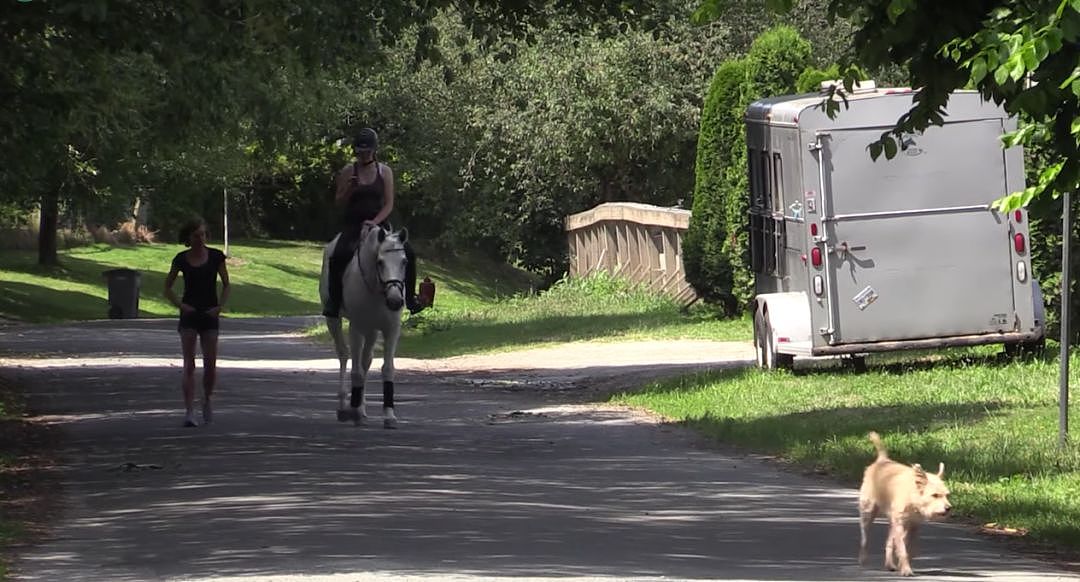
(876, 439)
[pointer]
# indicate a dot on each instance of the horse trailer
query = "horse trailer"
(852, 256)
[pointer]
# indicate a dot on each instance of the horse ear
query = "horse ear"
(382, 235)
(403, 234)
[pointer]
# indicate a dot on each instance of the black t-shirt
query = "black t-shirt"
(200, 283)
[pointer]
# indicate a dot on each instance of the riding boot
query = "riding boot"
(411, 302)
(333, 302)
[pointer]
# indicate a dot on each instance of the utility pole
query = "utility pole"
(225, 195)
(1063, 380)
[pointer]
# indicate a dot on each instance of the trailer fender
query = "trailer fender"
(789, 317)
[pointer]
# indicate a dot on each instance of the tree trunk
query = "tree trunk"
(50, 215)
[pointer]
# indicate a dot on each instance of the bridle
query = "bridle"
(384, 285)
(387, 284)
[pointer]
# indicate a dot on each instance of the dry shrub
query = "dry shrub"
(127, 233)
(19, 239)
(103, 235)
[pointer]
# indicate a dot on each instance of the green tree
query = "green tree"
(1020, 53)
(715, 254)
(106, 97)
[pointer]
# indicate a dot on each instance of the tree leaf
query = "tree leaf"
(1018, 69)
(1001, 74)
(897, 8)
(875, 150)
(890, 147)
(1031, 60)
(978, 70)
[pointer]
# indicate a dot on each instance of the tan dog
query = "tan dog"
(909, 496)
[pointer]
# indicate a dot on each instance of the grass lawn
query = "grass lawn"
(268, 278)
(481, 305)
(993, 422)
(599, 308)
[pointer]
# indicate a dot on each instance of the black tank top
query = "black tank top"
(365, 200)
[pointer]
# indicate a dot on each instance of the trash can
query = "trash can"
(123, 293)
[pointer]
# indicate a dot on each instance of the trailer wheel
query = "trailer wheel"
(856, 362)
(765, 342)
(1025, 350)
(759, 339)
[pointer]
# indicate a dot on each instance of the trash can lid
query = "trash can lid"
(120, 272)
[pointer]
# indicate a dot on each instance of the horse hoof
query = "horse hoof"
(389, 423)
(357, 418)
(343, 415)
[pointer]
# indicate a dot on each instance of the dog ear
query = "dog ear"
(403, 234)
(382, 235)
(920, 476)
(941, 469)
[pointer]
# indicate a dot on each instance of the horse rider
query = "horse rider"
(365, 188)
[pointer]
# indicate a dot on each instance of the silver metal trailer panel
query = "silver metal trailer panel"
(905, 253)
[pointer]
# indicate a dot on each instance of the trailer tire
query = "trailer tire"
(759, 339)
(765, 345)
(1025, 350)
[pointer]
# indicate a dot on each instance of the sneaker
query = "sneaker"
(189, 420)
(207, 412)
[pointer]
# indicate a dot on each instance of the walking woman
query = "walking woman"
(200, 311)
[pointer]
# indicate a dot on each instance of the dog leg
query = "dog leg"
(899, 540)
(910, 541)
(889, 563)
(867, 515)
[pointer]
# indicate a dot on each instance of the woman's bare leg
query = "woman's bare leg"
(187, 344)
(209, 350)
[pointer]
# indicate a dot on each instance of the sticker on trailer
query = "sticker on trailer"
(865, 298)
(796, 210)
(811, 206)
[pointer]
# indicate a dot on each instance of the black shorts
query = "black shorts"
(199, 321)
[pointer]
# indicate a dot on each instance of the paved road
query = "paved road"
(484, 480)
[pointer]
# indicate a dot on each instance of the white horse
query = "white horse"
(373, 293)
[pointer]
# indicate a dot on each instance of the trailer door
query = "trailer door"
(913, 250)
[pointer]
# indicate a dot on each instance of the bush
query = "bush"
(715, 247)
(708, 269)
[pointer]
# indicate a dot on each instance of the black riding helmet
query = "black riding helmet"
(366, 139)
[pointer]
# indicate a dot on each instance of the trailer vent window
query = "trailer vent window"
(777, 182)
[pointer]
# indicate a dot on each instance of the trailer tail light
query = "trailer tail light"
(813, 229)
(819, 285)
(1019, 243)
(1018, 216)
(1021, 272)
(815, 256)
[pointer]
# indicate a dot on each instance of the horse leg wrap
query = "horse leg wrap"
(357, 395)
(388, 393)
